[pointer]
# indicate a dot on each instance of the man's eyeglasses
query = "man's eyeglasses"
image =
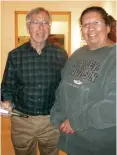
(36, 23)
(94, 23)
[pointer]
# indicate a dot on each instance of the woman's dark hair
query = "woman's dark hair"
(111, 19)
(112, 33)
(98, 9)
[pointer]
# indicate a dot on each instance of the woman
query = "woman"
(85, 106)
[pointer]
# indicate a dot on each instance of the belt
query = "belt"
(21, 114)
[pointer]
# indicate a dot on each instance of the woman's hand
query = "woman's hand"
(66, 128)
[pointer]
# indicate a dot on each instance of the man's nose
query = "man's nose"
(40, 25)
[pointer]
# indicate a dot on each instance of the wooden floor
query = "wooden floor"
(7, 148)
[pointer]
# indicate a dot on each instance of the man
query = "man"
(31, 77)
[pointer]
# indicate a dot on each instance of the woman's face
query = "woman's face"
(94, 30)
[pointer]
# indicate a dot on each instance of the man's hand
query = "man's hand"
(6, 105)
(66, 128)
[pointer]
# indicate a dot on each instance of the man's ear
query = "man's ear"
(27, 28)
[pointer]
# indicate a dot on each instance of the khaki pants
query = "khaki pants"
(26, 133)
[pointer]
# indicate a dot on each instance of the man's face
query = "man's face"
(39, 27)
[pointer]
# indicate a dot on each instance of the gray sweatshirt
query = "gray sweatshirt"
(86, 97)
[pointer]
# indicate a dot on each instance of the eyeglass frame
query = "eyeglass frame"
(36, 22)
(95, 23)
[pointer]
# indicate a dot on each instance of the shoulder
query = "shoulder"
(111, 56)
(20, 49)
(78, 51)
(57, 50)
(113, 49)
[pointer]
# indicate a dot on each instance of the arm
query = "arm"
(101, 114)
(57, 114)
(8, 86)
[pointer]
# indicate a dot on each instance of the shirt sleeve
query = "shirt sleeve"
(101, 114)
(57, 114)
(8, 85)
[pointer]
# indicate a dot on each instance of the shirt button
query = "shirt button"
(39, 86)
(39, 99)
(38, 112)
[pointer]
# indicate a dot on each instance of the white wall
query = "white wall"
(76, 7)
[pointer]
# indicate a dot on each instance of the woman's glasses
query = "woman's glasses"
(95, 23)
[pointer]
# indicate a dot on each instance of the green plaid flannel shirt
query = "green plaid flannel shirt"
(30, 79)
